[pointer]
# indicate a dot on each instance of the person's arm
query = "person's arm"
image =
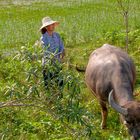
(44, 44)
(44, 41)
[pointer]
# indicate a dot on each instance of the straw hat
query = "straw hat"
(48, 21)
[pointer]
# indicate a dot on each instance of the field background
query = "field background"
(84, 26)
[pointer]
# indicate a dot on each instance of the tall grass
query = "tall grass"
(80, 21)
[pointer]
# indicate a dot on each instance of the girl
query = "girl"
(52, 44)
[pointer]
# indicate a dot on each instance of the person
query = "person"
(52, 45)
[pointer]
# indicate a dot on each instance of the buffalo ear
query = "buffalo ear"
(114, 105)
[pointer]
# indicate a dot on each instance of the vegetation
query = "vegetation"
(27, 109)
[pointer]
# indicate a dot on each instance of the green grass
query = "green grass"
(84, 26)
(80, 21)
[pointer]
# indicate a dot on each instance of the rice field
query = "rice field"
(80, 21)
(84, 26)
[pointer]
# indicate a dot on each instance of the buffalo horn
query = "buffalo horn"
(117, 107)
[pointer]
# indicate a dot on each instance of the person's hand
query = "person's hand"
(62, 56)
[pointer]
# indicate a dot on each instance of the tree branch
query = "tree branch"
(17, 105)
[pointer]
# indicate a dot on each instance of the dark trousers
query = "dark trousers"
(50, 76)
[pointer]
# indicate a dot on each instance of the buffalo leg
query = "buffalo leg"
(104, 113)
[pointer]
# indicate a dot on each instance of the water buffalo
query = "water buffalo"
(110, 74)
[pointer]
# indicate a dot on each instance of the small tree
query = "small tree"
(62, 103)
(124, 7)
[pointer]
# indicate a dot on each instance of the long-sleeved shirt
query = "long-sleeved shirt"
(52, 44)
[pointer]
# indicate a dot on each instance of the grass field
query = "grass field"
(84, 26)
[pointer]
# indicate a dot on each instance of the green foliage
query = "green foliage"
(117, 37)
(60, 102)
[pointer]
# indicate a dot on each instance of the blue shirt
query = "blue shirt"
(52, 44)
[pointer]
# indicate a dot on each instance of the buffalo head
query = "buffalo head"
(130, 113)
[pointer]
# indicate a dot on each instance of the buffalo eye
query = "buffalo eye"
(130, 123)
